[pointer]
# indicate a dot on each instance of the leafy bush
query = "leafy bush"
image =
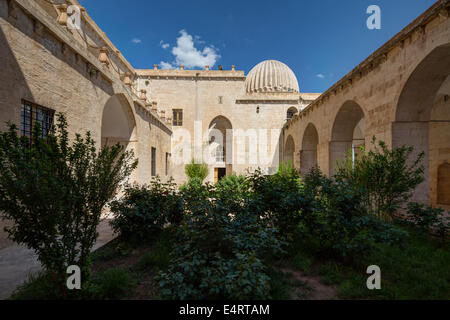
(55, 192)
(219, 251)
(111, 284)
(280, 197)
(196, 170)
(143, 211)
(338, 223)
(40, 286)
(429, 219)
(386, 177)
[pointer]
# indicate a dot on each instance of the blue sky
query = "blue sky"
(320, 40)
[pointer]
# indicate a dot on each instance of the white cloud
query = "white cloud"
(136, 40)
(164, 45)
(165, 65)
(188, 55)
(321, 76)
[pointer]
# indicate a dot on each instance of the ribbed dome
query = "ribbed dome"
(271, 76)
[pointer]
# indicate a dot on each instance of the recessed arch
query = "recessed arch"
(443, 184)
(289, 150)
(218, 128)
(422, 119)
(119, 125)
(348, 132)
(308, 152)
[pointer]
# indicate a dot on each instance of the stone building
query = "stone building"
(242, 114)
(400, 95)
(50, 64)
(53, 62)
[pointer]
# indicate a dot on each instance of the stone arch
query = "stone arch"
(348, 132)
(443, 184)
(422, 118)
(119, 125)
(289, 150)
(291, 112)
(308, 152)
(218, 129)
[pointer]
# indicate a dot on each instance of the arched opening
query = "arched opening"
(292, 111)
(443, 189)
(218, 129)
(289, 150)
(348, 133)
(308, 153)
(119, 126)
(423, 121)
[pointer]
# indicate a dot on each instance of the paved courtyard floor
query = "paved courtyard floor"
(18, 262)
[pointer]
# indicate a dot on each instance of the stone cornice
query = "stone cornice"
(104, 37)
(190, 74)
(34, 10)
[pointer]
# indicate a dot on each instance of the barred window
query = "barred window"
(32, 113)
(177, 117)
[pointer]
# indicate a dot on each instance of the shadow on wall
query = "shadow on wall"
(13, 85)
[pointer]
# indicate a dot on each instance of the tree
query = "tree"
(195, 170)
(386, 177)
(55, 192)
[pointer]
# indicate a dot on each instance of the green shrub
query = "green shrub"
(338, 222)
(429, 219)
(158, 257)
(143, 211)
(55, 192)
(40, 286)
(386, 177)
(111, 284)
(219, 251)
(196, 170)
(281, 198)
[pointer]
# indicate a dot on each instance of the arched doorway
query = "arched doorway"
(423, 121)
(347, 134)
(308, 153)
(289, 150)
(119, 126)
(218, 129)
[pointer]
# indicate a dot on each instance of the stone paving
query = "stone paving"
(18, 262)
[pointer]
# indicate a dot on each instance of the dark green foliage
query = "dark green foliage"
(281, 198)
(55, 192)
(143, 211)
(429, 219)
(338, 223)
(219, 250)
(158, 257)
(385, 177)
(418, 270)
(40, 286)
(111, 284)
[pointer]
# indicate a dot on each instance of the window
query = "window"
(220, 100)
(291, 113)
(32, 113)
(153, 162)
(177, 117)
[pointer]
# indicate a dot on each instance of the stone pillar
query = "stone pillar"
(415, 134)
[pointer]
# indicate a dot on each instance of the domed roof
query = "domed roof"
(271, 76)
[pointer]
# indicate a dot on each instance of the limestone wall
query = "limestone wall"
(418, 57)
(47, 64)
